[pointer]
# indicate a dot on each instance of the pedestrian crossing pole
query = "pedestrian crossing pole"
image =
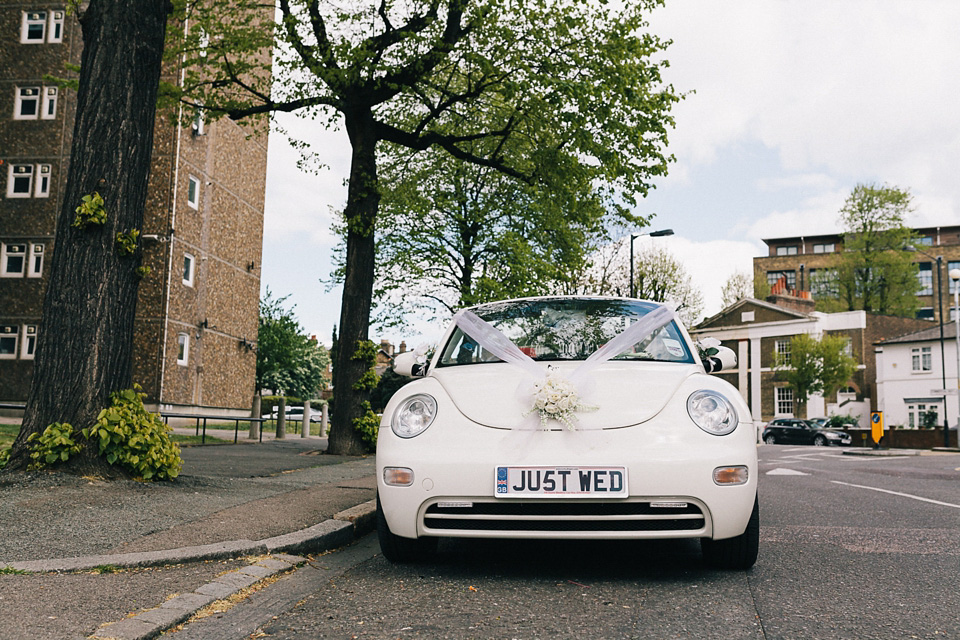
(876, 427)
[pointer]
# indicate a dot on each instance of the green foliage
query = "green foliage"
(130, 436)
(875, 271)
(127, 242)
(841, 422)
(390, 383)
(54, 445)
(143, 271)
(106, 568)
(288, 360)
(4, 457)
(929, 419)
(366, 352)
(737, 287)
(815, 366)
(90, 211)
(368, 424)
(10, 571)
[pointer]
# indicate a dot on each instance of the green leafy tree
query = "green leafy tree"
(875, 271)
(815, 366)
(455, 235)
(289, 361)
(85, 346)
(565, 95)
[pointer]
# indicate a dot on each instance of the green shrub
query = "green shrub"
(368, 425)
(55, 444)
(4, 457)
(841, 422)
(126, 434)
(130, 436)
(90, 211)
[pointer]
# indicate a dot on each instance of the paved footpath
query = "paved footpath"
(82, 557)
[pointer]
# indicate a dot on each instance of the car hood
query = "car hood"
(623, 393)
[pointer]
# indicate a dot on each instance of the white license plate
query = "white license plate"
(567, 482)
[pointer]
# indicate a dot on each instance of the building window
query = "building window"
(20, 181)
(924, 313)
(35, 265)
(49, 103)
(26, 104)
(826, 247)
(784, 279)
(43, 181)
(193, 192)
(188, 269)
(29, 345)
(953, 283)
(786, 251)
(782, 351)
(198, 121)
(8, 342)
(920, 359)
(926, 279)
(183, 348)
(13, 260)
(926, 241)
(56, 26)
(823, 283)
(33, 30)
(784, 401)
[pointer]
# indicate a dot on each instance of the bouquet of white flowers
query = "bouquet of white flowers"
(557, 398)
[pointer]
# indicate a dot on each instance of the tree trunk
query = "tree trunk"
(85, 343)
(363, 200)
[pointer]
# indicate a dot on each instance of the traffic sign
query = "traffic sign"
(876, 425)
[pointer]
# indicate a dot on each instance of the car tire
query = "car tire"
(737, 553)
(398, 549)
(770, 439)
(820, 441)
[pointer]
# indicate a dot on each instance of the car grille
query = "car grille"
(549, 516)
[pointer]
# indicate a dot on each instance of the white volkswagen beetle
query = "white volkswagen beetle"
(567, 417)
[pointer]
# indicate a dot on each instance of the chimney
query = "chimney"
(800, 301)
(403, 346)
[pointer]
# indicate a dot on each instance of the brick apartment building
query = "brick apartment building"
(802, 266)
(196, 327)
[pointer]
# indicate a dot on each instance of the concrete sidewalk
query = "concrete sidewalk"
(235, 516)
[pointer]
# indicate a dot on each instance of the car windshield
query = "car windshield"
(567, 329)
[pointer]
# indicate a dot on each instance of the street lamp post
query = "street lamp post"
(955, 276)
(634, 236)
(943, 358)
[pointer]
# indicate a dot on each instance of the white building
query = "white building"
(910, 377)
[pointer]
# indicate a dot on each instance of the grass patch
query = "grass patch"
(106, 568)
(8, 433)
(10, 571)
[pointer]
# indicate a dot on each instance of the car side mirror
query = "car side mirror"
(722, 360)
(410, 364)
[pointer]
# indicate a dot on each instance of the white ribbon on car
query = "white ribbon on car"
(555, 397)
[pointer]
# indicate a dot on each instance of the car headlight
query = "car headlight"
(414, 415)
(712, 412)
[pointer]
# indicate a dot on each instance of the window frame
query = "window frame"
(189, 269)
(41, 18)
(6, 335)
(921, 359)
(28, 342)
(55, 26)
(41, 183)
(13, 175)
(27, 95)
(35, 260)
(783, 397)
(48, 100)
(193, 191)
(5, 254)
(183, 349)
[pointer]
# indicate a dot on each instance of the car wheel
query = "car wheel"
(398, 549)
(770, 439)
(735, 553)
(820, 441)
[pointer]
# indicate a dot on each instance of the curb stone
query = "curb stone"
(150, 624)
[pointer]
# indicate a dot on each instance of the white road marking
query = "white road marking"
(786, 472)
(897, 493)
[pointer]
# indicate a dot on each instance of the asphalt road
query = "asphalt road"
(851, 547)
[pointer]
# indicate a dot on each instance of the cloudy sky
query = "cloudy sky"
(791, 105)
